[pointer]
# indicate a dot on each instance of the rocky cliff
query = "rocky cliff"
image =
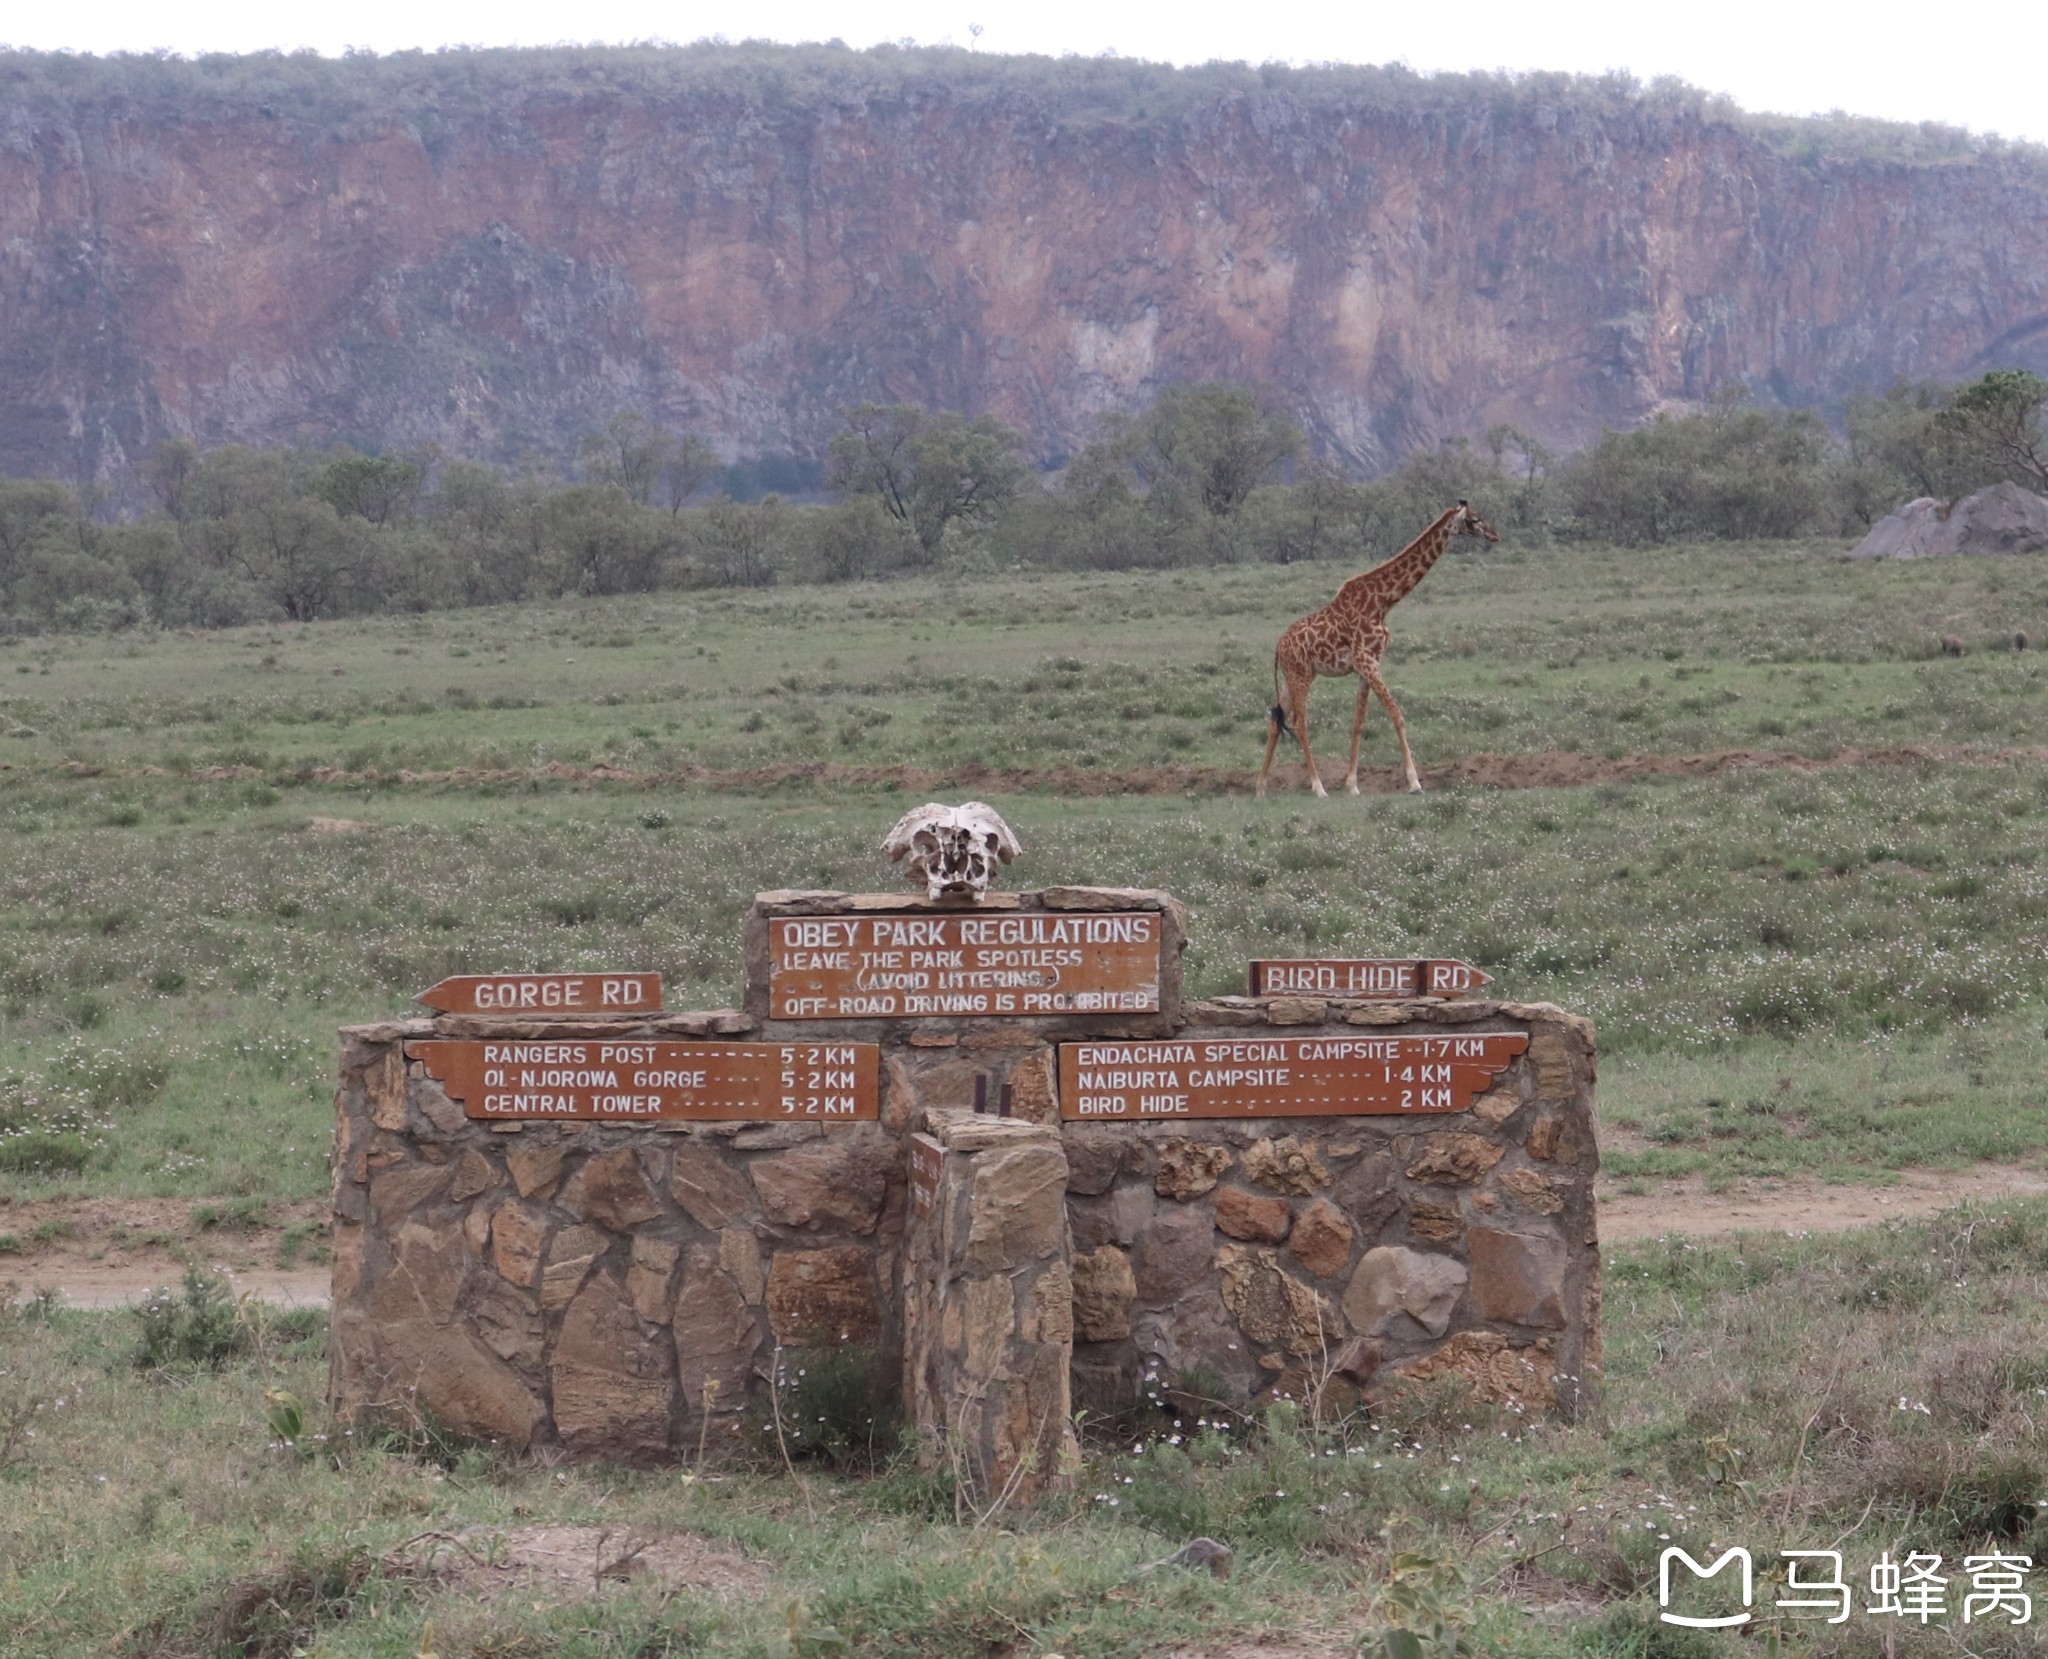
(497, 251)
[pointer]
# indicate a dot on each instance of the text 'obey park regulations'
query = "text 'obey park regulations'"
(901, 967)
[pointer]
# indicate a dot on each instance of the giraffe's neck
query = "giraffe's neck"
(1395, 578)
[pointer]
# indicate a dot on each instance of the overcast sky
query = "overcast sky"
(1981, 67)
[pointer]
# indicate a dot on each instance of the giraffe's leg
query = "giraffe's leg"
(1357, 733)
(1272, 744)
(1372, 674)
(1297, 708)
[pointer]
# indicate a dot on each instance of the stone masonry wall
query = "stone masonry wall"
(1286, 1257)
(583, 1285)
(603, 1289)
(989, 1310)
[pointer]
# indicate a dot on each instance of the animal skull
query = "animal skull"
(953, 850)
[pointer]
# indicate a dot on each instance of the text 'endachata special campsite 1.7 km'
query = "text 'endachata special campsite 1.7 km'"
(694, 959)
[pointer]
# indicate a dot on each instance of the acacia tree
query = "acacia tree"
(1999, 417)
(1208, 446)
(928, 471)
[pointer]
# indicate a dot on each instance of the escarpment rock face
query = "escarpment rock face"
(500, 274)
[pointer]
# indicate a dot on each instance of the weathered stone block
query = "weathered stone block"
(611, 1191)
(1018, 1206)
(823, 1296)
(739, 1253)
(1187, 1169)
(516, 1234)
(1541, 1141)
(1498, 1372)
(840, 1182)
(473, 1174)
(1105, 1290)
(570, 1255)
(449, 1373)
(1248, 1215)
(508, 1322)
(1321, 1240)
(1093, 1158)
(396, 1192)
(1435, 1223)
(711, 1191)
(648, 1280)
(1049, 1308)
(1455, 1160)
(1288, 1164)
(1538, 1192)
(1390, 1281)
(1174, 1254)
(611, 1386)
(1517, 1278)
(717, 1337)
(384, 1088)
(535, 1169)
(1033, 1097)
(1551, 1057)
(1271, 1306)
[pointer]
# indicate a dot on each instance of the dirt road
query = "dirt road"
(111, 1252)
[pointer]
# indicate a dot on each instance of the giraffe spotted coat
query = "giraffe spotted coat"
(1349, 636)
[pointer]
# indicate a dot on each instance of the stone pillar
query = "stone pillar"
(989, 1306)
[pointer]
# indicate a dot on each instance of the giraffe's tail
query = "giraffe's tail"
(1279, 710)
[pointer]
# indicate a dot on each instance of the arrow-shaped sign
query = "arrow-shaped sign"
(1375, 978)
(545, 994)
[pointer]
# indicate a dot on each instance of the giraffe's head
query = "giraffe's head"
(1469, 523)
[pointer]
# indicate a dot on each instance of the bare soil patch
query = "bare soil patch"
(571, 1563)
(110, 1252)
(120, 1249)
(1805, 1205)
(1548, 769)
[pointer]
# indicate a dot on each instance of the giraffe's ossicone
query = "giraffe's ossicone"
(1349, 636)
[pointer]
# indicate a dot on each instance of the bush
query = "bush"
(834, 1408)
(198, 1327)
(44, 1152)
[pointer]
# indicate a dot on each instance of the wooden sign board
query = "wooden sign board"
(633, 993)
(652, 1082)
(1282, 1077)
(927, 1156)
(964, 966)
(1389, 979)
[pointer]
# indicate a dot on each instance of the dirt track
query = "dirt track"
(1547, 769)
(118, 1250)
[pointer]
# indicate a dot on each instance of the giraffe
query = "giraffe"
(1348, 636)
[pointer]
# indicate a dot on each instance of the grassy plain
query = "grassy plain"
(1869, 1394)
(1836, 971)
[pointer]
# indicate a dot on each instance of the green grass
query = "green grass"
(1835, 971)
(1864, 1392)
(1838, 971)
(1775, 646)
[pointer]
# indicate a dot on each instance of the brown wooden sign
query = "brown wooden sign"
(633, 993)
(927, 1157)
(1282, 1077)
(1391, 979)
(965, 966)
(648, 1082)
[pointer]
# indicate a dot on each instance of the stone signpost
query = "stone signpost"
(565, 1217)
